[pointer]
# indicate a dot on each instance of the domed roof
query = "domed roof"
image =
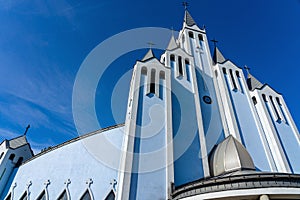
(230, 155)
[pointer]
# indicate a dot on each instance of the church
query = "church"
(196, 127)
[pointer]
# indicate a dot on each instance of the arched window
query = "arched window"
(278, 101)
(161, 84)
(20, 160)
(200, 37)
(42, 196)
(86, 196)
(264, 97)
(224, 70)
(216, 73)
(1, 155)
(275, 108)
(180, 71)
(152, 83)
(232, 79)
(237, 74)
(110, 196)
(144, 71)
(63, 196)
(187, 66)
(254, 100)
(172, 57)
(12, 156)
(191, 35)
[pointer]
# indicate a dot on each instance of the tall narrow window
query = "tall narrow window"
(180, 71)
(8, 197)
(42, 196)
(20, 160)
(191, 35)
(86, 196)
(12, 156)
(161, 84)
(24, 196)
(187, 66)
(1, 155)
(232, 79)
(281, 109)
(63, 196)
(254, 100)
(224, 70)
(152, 83)
(264, 98)
(172, 58)
(275, 109)
(200, 37)
(144, 71)
(110, 196)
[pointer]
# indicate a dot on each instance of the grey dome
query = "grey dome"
(230, 155)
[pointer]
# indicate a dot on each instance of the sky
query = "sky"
(43, 44)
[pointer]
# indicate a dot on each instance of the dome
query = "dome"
(230, 155)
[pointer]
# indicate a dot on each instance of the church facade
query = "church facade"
(195, 128)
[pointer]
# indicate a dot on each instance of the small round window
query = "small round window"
(207, 99)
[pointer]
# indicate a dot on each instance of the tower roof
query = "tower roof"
(253, 83)
(172, 44)
(218, 56)
(188, 19)
(148, 55)
(17, 142)
(230, 155)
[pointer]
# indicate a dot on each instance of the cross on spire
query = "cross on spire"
(215, 42)
(185, 4)
(247, 69)
(27, 129)
(150, 44)
(172, 29)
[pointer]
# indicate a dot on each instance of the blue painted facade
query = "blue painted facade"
(179, 109)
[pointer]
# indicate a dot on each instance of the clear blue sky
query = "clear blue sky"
(43, 43)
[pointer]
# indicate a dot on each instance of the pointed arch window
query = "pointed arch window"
(42, 196)
(110, 196)
(63, 196)
(254, 100)
(24, 196)
(86, 196)
(191, 35)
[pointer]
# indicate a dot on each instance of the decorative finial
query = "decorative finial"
(215, 42)
(247, 69)
(150, 44)
(27, 129)
(172, 29)
(185, 4)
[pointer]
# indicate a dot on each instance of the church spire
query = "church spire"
(253, 83)
(148, 55)
(172, 44)
(188, 20)
(218, 57)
